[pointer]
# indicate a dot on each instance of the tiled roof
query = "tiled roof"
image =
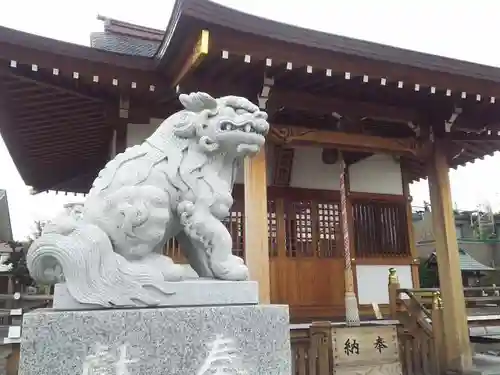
(467, 262)
(126, 38)
(123, 44)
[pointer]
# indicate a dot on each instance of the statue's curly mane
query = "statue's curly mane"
(194, 153)
(193, 169)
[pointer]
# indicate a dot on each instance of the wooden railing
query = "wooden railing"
(421, 314)
(311, 349)
(420, 332)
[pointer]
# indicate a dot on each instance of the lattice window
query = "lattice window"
(235, 223)
(380, 229)
(272, 228)
(299, 229)
(329, 232)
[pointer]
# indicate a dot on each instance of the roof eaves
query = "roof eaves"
(57, 47)
(169, 32)
(214, 13)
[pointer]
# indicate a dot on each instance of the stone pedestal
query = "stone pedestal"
(198, 292)
(243, 339)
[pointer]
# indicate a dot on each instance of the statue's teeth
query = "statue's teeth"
(248, 127)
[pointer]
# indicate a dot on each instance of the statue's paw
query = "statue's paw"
(185, 208)
(174, 272)
(168, 269)
(237, 260)
(230, 270)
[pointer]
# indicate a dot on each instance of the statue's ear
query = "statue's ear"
(186, 126)
(197, 101)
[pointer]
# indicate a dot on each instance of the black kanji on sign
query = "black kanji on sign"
(380, 344)
(351, 347)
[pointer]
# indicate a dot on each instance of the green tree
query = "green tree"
(17, 258)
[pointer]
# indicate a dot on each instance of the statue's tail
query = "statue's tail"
(82, 255)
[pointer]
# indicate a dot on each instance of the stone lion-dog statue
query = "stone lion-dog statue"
(177, 183)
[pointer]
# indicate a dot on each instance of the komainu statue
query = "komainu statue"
(108, 250)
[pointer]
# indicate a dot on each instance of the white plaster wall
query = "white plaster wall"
(378, 174)
(372, 282)
(309, 172)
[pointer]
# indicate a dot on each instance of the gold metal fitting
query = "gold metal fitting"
(437, 302)
(393, 278)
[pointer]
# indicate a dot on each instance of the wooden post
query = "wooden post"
(456, 332)
(256, 230)
(320, 335)
(438, 333)
(415, 269)
(351, 300)
(393, 293)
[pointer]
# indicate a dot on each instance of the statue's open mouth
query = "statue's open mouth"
(245, 127)
(248, 135)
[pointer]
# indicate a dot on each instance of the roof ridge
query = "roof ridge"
(114, 26)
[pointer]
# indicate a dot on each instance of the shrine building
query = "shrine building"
(353, 123)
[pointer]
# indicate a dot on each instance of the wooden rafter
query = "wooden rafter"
(40, 80)
(473, 137)
(310, 60)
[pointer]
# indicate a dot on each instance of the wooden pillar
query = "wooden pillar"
(456, 332)
(415, 269)
(120, 137)
(346, 217)
(256, 229)
(119, 117)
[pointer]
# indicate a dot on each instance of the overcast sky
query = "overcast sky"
(465, 30)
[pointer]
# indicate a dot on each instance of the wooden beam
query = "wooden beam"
(294, 135)
(200, 50)
(256, 224)
(456, 332)
(353, 110)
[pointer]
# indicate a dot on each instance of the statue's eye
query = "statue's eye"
(204, 126)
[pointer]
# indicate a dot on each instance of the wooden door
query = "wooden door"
(307, 269)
